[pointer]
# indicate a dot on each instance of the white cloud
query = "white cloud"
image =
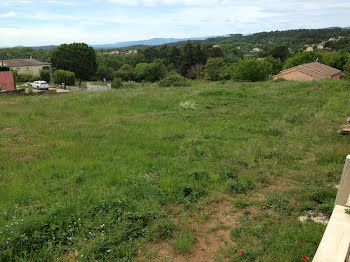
(56, 2)
(110, 21)
(9, 14)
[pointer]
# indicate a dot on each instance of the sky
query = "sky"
(53, 22)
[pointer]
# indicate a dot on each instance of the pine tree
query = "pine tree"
(188, 59)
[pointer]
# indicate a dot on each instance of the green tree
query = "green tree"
(126, 73)
(175, 57)
(77, 57)
(216, 69)
(151, 53)
(280, 52)
(188, 59)
(136, 59)
(334, 59)
(104, 71)
(301, 58)
(117, 83)
(62, 76)
(215, 52)
(199, 56)
(347, 70)
(151, 72)
(252, 70)
(276, 64)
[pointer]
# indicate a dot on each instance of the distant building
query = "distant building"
(28, 66)
(320, 46)
(216, 46)
(256, 50)
(309, 49)
(7, 82)
(309, 72)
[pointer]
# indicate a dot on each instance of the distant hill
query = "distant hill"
(141, 43)
(150, 42)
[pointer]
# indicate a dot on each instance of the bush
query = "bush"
(131, 84)
(24, 77)
(347, 70)
(126, 72)
(149, 72)
(117, 83)
(252, 70)
(62, 76)
(174, 79)
(195, 71)
(216, 69)
(45, 75)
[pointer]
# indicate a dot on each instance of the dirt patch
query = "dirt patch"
(210, 235)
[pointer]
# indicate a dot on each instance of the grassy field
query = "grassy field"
(163, 174)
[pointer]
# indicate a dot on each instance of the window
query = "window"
(18, 70)
(46, 67)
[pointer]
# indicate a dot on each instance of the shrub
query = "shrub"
(252, 70)
(117, 83)
(196, 71)
(45, 75)
(126, 72)
(149, 72)
(24, 77)
(62, 76)
(174, 79)
(216, 69)
(276, 64)
(347, 70)
(131, 84)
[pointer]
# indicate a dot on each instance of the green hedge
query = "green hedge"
(62, 76)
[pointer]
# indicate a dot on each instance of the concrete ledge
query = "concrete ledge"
(344, 188)
(334, 246)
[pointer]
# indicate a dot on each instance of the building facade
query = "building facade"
(27, 66)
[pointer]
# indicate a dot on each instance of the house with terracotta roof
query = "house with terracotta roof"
(309, 72)
(28, 66)
(7, 82)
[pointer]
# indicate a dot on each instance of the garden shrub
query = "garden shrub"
(63, 76)
(117, 83)
(174, 79)
(45, 75)
(24, 77)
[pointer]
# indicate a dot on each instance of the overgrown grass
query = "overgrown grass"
(90, 176)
